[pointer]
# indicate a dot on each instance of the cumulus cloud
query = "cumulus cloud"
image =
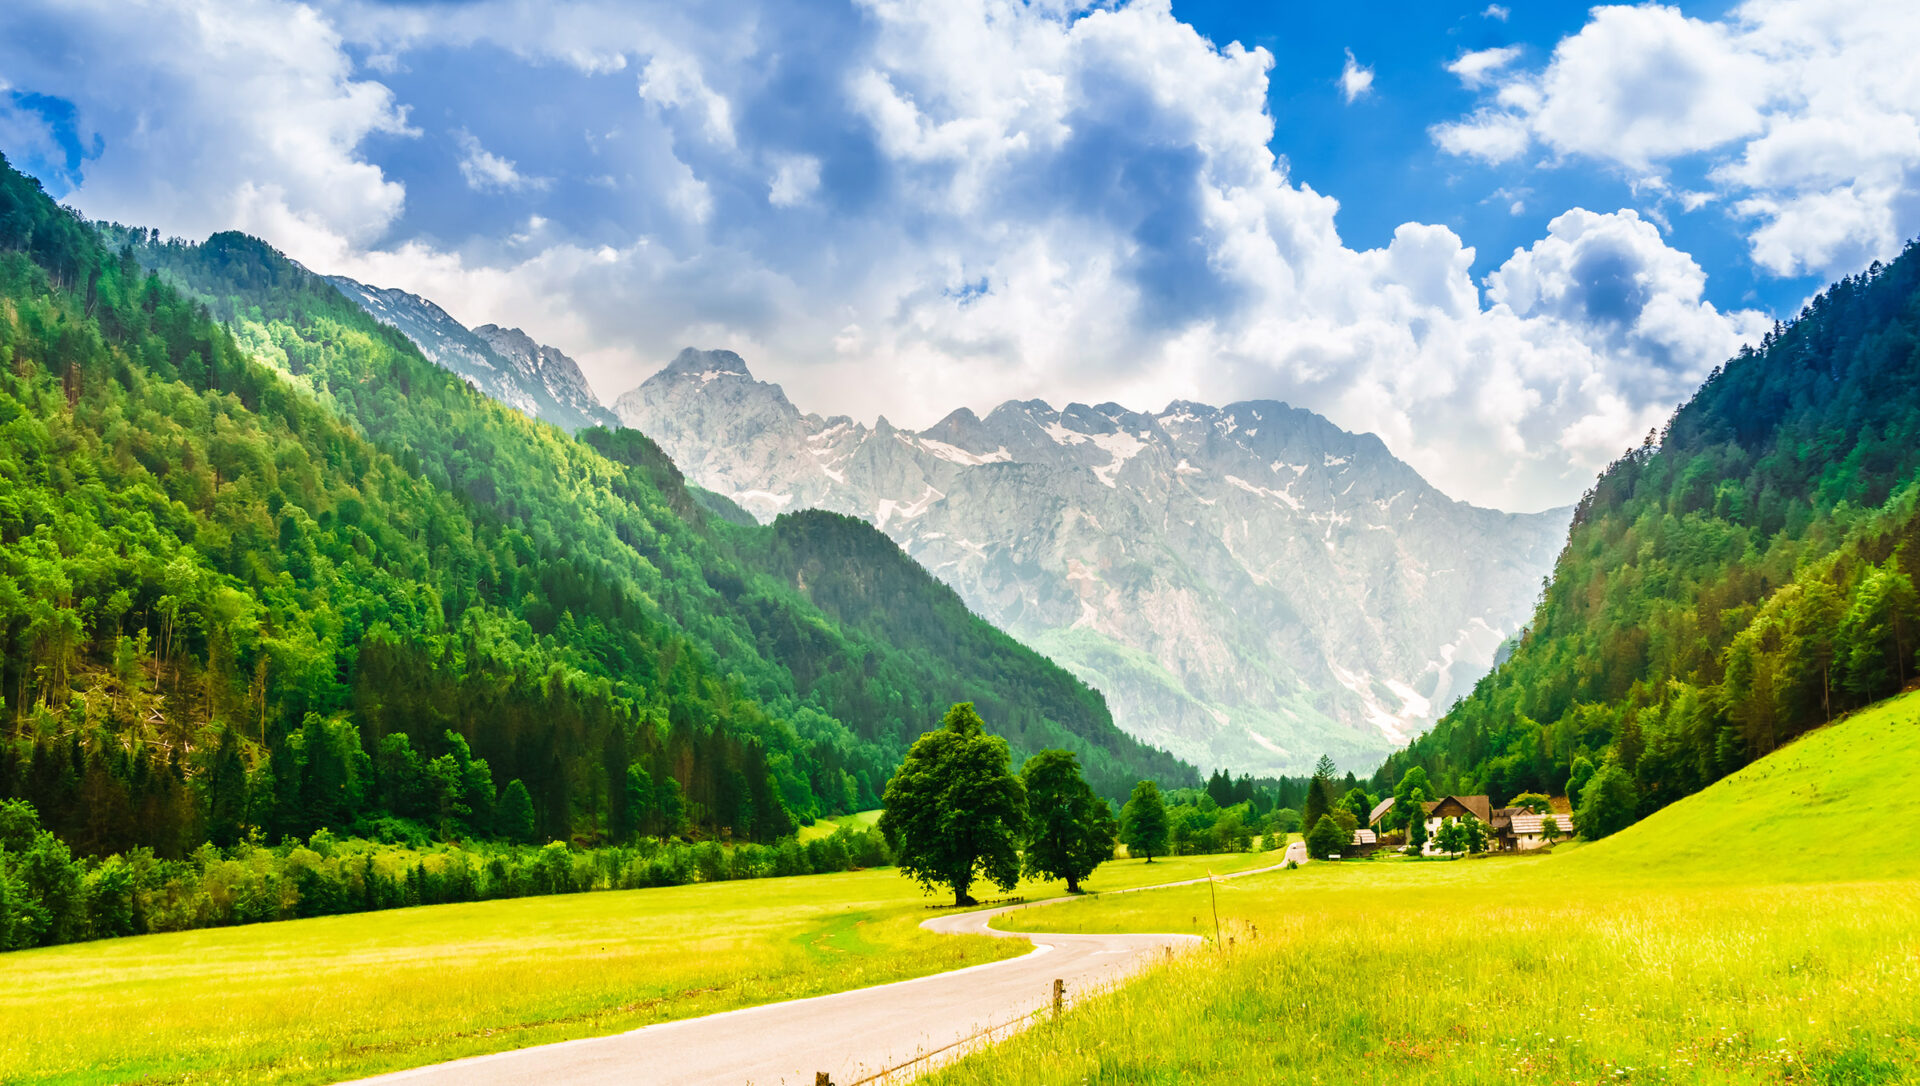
(1356, 81)
(487, 172)
(906, 207)
(1807, 111)
(212, 116)
(1477, 67)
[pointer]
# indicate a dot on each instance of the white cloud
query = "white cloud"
(673, 80)
(487, 172)
(219, 115)
(1053, 202)
(1496, 12)
(1477, 67)
(795, 178)
(1807, 110)
(1355, 81)
(1487, 135)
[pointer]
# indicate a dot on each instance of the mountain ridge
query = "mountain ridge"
(1057, 524)
(505, 363)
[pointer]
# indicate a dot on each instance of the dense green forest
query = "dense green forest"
(264, 570)
(1742, 577)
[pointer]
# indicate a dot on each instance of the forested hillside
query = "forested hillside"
(287, 574)
(1744, 576)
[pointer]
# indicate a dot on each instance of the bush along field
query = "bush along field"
(1766, 930)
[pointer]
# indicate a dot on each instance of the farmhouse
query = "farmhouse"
(1520, 830)
(1479, 808)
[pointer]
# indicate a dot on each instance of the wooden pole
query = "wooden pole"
(1059, 996)
(821, 1078)
(1214, 893)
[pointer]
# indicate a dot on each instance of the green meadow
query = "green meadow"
(1766, 930)
(318, 1000)
(825, 827)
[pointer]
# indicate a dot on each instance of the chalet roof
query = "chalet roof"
(1379, 810)
(1533, 823)
(1479, 807)
(1365, 837)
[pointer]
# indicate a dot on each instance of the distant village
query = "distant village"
(1535, 821)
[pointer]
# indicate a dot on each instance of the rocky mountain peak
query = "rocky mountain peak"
(706, 365)
(1249, 585)
(504, 363)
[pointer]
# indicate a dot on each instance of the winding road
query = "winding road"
(886, 1033)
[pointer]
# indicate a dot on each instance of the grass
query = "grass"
(826, 827)
(1766, 930)
(320, 1000)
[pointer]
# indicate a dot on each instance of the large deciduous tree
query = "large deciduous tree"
(955, 812)
(1326, 838)
(1143, 821)
(1069, 829)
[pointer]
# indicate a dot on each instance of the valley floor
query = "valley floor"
(312, 1001)
(1764, 931)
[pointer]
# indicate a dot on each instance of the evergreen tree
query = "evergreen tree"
(640, 799)
(954, 812)
(1069, 829)
(513, 817)
(1319, 793)
(670, 807)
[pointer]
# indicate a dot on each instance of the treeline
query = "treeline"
(1231, 813)
(49, 896)
(1744, 576)
(860, 578)
(286, 575)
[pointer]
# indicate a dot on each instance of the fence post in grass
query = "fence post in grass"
(1213, 895)
(821, 1078)
(1059, 995)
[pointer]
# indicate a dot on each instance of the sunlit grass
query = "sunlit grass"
(324, 999)
(1765, 931)
(825, 827)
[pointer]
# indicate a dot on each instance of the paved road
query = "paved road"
(857, 1037)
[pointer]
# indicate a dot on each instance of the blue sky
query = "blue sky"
(1376, 156)
(1507, 241)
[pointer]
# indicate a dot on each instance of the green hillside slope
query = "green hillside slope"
(1833, 804)
(1746, 575)
(286, 574)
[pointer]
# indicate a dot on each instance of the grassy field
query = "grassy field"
(825, 827)
(319, 1000)
(1764, 931)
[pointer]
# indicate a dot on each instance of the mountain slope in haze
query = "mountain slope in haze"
(1747, 577)
(1250, 586)
(504, 363)
(273, 576)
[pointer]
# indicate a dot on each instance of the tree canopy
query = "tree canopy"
(1070, 830)
(954, 812)
(1143, 822)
